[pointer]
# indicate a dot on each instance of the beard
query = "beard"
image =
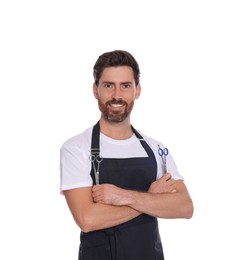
(115, 116)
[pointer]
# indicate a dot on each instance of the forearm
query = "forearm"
(162, 205)
(174, 204)
(101, 216)
(91, 216)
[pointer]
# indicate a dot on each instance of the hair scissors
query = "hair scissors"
(163, 153)
(96, 158)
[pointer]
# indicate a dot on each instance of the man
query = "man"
(113, 177)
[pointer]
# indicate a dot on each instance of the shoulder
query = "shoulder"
(152, 142)
(77, 146)
(78, 141)
(171, 165)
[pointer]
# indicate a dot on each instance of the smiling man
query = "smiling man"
(114, 108)
(112, 176)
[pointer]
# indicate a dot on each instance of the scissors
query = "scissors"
(98, 158)
(163, 153)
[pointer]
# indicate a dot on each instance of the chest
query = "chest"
(130, 173)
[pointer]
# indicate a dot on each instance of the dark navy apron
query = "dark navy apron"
(137, 239)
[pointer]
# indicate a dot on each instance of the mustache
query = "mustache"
(115, 101)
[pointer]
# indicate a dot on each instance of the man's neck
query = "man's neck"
(118, 131)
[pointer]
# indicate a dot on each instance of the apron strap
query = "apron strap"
(145, 145)
(95, 143)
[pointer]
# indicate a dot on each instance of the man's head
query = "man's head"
(114, 59)
(116, 85)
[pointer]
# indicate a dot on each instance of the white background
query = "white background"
(186, 54)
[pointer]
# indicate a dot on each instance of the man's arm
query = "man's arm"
(91, 216)
(176, 204)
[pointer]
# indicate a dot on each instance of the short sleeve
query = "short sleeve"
(170, 163)
(74, 168)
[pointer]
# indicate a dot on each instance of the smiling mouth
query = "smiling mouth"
(117, 105)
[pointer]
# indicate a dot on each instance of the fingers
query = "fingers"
(167, 176)
(96, 194)
(172, 184)
(96, 187)
(165, 184)
(103, 193)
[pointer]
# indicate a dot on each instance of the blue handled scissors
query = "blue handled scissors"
(163, 153)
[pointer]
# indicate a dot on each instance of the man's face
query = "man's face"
(116, 93)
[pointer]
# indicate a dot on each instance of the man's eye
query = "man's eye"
(108, 85)
(126, 85)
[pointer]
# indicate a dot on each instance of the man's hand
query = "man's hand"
(165, 184)
(109, 194)
(113, 195)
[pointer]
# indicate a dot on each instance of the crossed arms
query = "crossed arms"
(106, 205)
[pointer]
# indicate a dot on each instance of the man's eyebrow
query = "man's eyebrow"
(111, 82)
(108, 82)
(126, 82)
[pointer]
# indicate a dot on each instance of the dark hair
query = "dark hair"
(113, 59)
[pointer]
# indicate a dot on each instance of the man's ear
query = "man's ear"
(138, 91)
(95, 91)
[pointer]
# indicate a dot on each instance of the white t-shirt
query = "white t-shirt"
(75, 165)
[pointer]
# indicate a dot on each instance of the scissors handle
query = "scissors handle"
(99, 158)
(92, 157)
(162, 152)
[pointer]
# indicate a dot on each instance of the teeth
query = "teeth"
(117, 105)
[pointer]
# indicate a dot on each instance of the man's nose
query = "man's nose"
(116, 93)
